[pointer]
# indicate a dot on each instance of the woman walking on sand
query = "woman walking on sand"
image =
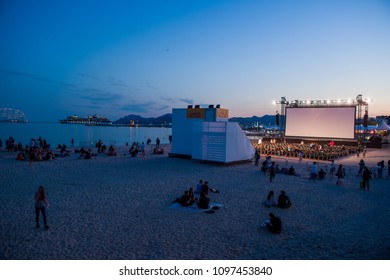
(40, 206)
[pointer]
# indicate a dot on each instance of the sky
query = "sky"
(116, 58)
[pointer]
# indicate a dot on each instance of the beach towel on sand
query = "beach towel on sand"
(193, 208)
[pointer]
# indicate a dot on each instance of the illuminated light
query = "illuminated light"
(328, 101)
(338, 101)
(368, 100)
(349, 101)
(308, 101)
(274, 102)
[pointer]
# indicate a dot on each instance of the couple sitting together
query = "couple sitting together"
(283, 200)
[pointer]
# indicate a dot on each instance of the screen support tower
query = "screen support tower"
(362, 104)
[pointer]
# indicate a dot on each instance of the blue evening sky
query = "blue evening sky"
(116, 58)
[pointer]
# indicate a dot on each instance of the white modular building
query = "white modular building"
(206, 134)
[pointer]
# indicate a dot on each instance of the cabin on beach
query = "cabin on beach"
(205, 134)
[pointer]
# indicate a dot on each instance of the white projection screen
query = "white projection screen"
(321, 122)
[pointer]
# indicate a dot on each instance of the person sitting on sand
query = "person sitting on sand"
(186, 199)
(158, 151)
(199, 187)
(291, 171)
(21, 156)
(207, 189)
(284, 200)
(64, 152)
(204, 201)
(270, 201)
(321, 174)
(274, 224)
(111, 151)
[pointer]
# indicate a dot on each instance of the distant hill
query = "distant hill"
(166, 120)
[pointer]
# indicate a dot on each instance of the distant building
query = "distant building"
(12, 115)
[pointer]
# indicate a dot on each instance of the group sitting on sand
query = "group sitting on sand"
(85, 154)
(203, 201)
(282, 202)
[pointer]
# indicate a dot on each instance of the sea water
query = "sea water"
(83, 136)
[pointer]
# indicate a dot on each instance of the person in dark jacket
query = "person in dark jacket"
(284, 200)
(274, 224)
(366, 178)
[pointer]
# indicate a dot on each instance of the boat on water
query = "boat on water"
(90, 120)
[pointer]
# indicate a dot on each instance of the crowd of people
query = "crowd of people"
(39, 150)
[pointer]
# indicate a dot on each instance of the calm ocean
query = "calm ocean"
(84, 136)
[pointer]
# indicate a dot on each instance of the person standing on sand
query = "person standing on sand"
(361, 167)
(157, 142)
(313, 173)
(272, 172)
(332, 169)
(257, 157)
(380, 167)
(40, 206)
(366, 178)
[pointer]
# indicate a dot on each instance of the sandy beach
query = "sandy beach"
(120, 208)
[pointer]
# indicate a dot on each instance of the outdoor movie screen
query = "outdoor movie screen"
(321, 122)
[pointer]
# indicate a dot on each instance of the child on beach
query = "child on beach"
(40, 206)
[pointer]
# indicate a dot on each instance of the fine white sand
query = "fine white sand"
(119, 208)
